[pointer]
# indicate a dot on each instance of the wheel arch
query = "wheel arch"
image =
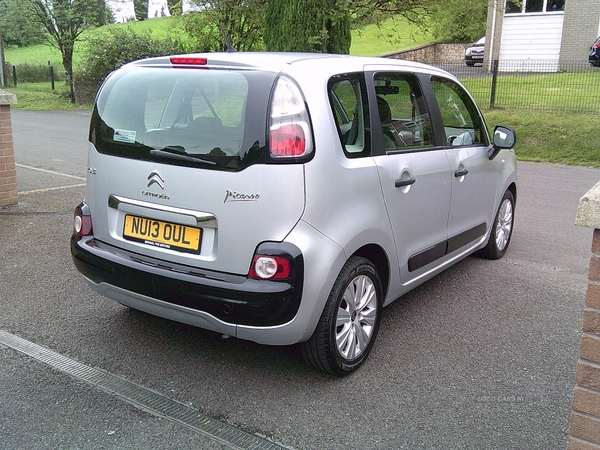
(378, 257)
(513, 189)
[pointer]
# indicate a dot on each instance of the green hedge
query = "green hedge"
(107, 51)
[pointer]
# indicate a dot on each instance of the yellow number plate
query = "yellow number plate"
(162, 234)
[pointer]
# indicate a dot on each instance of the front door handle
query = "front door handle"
(461, 173)
(402, 183)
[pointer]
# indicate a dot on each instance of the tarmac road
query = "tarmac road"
(482, 356)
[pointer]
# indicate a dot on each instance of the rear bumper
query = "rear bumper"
(202, 298)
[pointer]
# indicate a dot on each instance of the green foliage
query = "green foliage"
(416, 12)
(18, 24)
(202, 33)
(34, 73)
(140, 7)
(393, 35)
(65, 20)
(320, 26)
(241, 21)
(106, 51)
(175, 7)
(459, 20)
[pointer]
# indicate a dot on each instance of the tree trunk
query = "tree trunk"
(67, 57)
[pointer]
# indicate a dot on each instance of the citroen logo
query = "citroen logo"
(156, 178)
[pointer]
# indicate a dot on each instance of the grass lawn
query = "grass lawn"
(560, 138)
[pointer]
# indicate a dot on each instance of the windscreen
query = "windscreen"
(191, 117)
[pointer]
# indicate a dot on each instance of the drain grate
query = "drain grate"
(141, 397)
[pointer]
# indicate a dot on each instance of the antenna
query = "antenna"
(230, 48)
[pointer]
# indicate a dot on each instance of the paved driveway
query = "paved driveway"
(482, 356)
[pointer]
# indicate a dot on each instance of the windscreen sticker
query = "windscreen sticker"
(127, 136)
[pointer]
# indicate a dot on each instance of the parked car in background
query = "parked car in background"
(474, 54)
(287, 198)
(594, 57)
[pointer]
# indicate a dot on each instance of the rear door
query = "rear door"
(414, 173)
(177, 150)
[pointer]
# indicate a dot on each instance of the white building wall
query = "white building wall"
(531, 36)
(122, 10)
(531, 42)
(157, 8)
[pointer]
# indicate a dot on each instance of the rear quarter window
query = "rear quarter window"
(349, 103)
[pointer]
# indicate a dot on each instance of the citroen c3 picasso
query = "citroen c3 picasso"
(287, 198)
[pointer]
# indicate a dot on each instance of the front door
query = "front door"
(473, 175)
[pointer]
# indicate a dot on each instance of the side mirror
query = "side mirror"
(504, 138)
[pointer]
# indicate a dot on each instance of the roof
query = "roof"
(275, 61)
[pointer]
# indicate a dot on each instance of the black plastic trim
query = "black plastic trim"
(234, 299)
(446, 247)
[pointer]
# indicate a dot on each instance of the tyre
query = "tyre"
(502, 229)
(350, 320)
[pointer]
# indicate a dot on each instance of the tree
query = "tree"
(242, 21)
(65, 20)
(321, 26)
(140, 7)
(19, 28)
(460, 20)
(175, 7)
(363, 12)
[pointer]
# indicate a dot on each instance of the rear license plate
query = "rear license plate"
(162, 234)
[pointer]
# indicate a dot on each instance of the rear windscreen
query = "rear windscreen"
(191, 117)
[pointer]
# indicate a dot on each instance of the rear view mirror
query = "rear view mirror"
(504, 138)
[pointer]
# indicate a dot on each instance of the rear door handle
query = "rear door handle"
(402, 183)
(461, 173)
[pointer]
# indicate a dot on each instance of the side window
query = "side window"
(402, 112)
(348, 99)
(459, 115)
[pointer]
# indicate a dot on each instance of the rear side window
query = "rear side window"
(402, 111)
(460, 117)
(209, 118)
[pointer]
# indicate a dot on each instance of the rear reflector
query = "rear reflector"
(188, 61)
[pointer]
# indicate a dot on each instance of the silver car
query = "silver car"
(287, 198)
(475, 53)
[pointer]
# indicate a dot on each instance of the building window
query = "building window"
(534, 6)
(555, 5)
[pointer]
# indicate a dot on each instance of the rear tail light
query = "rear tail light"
(269, 268)
(82, 222)
(287, 140)
(289, 129)
(596, 44)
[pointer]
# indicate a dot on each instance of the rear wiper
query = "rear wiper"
(177, 153)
